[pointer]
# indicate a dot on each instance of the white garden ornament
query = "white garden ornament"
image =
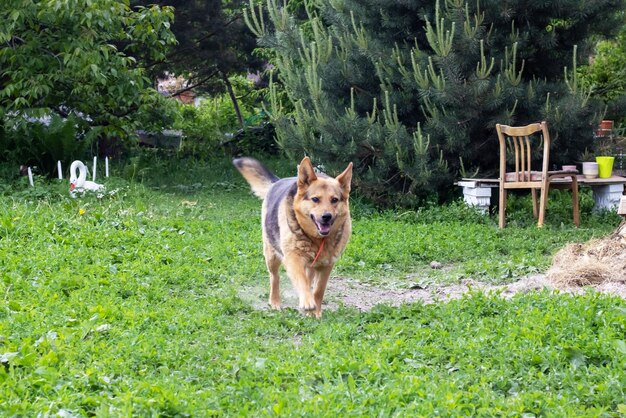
(79, 182)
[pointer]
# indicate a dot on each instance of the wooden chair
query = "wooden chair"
(520, 144)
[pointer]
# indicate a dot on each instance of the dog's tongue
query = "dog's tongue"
(323, 228)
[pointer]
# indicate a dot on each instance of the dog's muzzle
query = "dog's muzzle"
(324, 223)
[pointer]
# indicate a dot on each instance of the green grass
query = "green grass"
(129, 306)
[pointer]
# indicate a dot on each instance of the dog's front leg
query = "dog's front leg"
(321, 280)
(297, 272)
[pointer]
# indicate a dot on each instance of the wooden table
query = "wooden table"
(606, 192)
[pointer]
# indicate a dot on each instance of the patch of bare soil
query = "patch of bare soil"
(599, 265)
(344, 291)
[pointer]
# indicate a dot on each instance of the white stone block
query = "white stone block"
(477, 196)
(607, 196)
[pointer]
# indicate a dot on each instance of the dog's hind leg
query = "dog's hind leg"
(272, 261)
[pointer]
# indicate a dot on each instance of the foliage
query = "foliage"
(213, 46)
(411, 91)
(607, 71)
(213, 42)
(132, 305)
(211, 126)
(203, 125)
(42, 142)
(55, 60)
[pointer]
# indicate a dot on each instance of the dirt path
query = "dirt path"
(600, 261)
(344, 291)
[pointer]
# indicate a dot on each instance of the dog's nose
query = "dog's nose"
(327, 217)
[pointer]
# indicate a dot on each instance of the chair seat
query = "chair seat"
(536, 175)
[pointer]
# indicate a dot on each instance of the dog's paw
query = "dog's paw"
(308, 304)
(275, 304)
(314, 314)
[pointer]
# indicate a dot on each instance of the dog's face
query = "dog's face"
(321, 202)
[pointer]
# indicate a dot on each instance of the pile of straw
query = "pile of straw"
(592, 263)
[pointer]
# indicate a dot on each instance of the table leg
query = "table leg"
(607, 196)
(478, 196)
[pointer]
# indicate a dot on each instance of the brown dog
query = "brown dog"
(306, 226)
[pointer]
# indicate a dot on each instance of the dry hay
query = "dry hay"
(592, 263)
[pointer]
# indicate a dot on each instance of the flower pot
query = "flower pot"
(590, 170)
(605, 128)
(605, 166)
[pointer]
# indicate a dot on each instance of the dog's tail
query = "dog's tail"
(259, 177)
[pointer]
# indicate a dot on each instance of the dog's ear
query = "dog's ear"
(306, 173)
(345, 178)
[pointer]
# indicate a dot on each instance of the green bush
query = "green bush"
(213, 125)
(40, 142)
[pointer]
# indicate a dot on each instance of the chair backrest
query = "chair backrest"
(521, 143)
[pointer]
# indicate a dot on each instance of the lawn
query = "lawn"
(130, 305)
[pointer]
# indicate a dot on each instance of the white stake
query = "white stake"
(59, 170)
(95, 159)
(106, 166)
(30, 177)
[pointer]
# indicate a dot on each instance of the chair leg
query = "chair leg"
(543, 202)
(534, 195)
(575, 207)
(501, 207)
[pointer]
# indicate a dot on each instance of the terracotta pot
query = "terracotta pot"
(605, 128)
(606, 124)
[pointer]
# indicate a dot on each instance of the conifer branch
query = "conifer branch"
(278, 15)
(499, 88)
(257, 24)
(454, 4)
(440, 39)
(398, 57)
(439, 81)
(572, 81)
(430, 110)
(350, 111)
(479, 17)
(390, 116)
(342, 50)
(547, 106)
(510, 70)
(482, 71)
(275, 103)
(419, 144)
(511, 113)
(371, 117)
(359, 33)
(420, 78)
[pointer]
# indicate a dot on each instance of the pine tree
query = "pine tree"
(411, 91)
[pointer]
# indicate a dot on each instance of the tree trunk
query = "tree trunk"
(233, 98)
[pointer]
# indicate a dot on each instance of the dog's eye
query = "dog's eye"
(334, 200)
(315, 199)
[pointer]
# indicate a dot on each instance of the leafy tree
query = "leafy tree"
(606, 75)
(214, 44)
(412, 91)
(80, 57)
